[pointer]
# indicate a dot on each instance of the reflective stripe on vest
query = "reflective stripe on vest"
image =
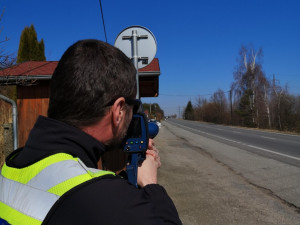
(27, 194)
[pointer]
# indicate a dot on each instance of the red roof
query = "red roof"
(153, 66)
(31, 68)
(34, 68)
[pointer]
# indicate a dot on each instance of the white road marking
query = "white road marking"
(265, 131)
(241, 143)
(236, 132)
(277, 153)
(267, 137)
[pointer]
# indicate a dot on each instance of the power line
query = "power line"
(185, 95)
(103, 20)
(181, 95)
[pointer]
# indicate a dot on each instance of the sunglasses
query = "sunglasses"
(130, 101)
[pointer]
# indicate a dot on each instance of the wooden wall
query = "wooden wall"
(32, 101)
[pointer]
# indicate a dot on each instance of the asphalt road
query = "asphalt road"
(215, 181)
(283, 147)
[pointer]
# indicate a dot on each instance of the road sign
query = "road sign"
(139, 44)
(146, 46)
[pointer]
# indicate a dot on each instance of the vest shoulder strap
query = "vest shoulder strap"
(29, 193)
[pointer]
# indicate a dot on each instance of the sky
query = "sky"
(198, 41)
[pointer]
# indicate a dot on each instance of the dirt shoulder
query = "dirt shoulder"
(206, 191)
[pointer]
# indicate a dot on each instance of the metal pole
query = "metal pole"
(14, 116)
(230, 92)
(135, 60)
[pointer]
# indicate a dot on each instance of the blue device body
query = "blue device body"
(137, 136)
(136, 143)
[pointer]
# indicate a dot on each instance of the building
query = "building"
(33, 82)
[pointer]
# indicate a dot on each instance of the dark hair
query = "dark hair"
(89, 75)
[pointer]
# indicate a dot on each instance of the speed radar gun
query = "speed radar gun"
(136, 142)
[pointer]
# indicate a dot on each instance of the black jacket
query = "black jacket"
(105, 200)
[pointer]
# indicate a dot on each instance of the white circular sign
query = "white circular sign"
(146, 44)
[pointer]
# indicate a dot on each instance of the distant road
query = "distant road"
(282, 147)
(223, 175)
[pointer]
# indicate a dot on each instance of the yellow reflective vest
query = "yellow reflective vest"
(27, 194)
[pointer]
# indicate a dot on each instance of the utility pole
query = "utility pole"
(230, 96)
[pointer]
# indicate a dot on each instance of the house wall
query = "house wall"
(32, 101)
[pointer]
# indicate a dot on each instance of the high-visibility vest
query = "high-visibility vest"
(27, 194)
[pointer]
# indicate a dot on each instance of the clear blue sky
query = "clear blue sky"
(198, 41)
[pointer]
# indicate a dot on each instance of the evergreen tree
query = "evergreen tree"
(30, 49)
(244, 109)
(189, 112)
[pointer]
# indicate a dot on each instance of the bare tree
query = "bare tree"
(199, 109)
(6, 59)
(248, 85)
(296, 110)
(278, 94)
(220, 101)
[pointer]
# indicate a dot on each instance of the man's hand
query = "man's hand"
(147, 172)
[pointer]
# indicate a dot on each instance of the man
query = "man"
(54, 179)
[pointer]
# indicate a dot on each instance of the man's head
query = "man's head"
(90, 76)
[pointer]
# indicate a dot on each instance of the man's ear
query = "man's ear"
(118, 111)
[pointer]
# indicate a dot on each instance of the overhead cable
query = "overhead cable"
(103, 20)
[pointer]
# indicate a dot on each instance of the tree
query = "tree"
(189, 112)
(244, 110)
(6, 59)
(220, 102)
(284, 107)
(250, 88)
(199, 110)
(30, 49)
(296, 110)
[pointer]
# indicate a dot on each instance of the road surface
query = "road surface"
(216, 181)
(283, 147)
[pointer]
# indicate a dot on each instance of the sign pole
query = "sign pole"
(135, 60)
